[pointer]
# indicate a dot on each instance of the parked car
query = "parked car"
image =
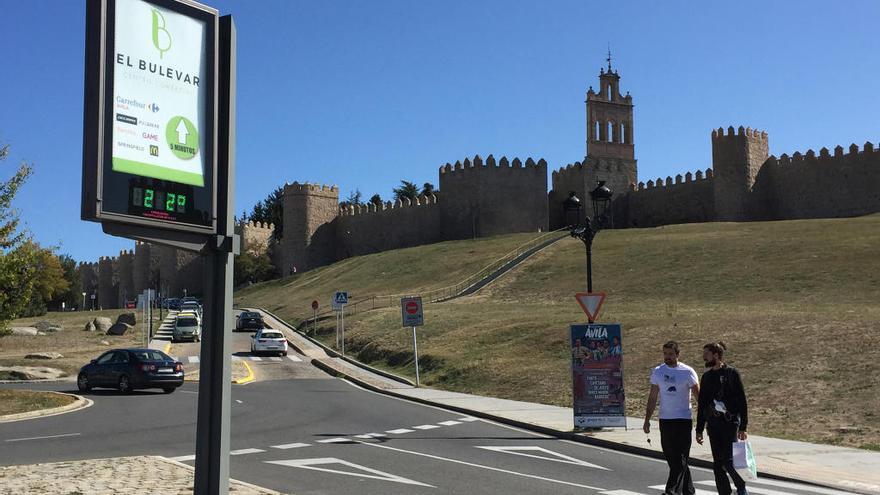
(269, 340)
(191, 306)
(187, 326)
(171, 303)
(131, 369)
(250, 320)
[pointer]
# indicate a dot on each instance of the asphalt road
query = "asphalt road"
(300, 434)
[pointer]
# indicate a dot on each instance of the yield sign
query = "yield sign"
(353, 469)
(542, 453)
(590, 302)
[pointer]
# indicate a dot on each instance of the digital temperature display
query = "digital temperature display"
(151, 199)
(161, 200)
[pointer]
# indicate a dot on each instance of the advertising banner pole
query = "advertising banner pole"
(212, 432)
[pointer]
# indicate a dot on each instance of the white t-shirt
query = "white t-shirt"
(675, 389)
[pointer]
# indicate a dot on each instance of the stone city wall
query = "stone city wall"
(374, 228)
(685, 199)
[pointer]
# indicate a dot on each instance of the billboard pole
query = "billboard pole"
(212, 434)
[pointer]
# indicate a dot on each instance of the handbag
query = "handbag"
(744, 459)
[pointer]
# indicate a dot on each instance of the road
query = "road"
(299, 431)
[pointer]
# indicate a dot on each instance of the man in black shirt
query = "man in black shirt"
(723, 410)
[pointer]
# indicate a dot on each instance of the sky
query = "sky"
(362, 94)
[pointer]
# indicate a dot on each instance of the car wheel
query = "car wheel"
(124, 385)
(82, 383)
(284, 353)
(168, 390)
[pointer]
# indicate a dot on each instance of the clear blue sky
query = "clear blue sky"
(365, 93)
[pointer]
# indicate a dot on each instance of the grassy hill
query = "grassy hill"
(798, 303)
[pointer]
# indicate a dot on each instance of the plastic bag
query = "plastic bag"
(744, 460)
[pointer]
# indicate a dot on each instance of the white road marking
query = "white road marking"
(698, 491)
(290, 446)
(274, 358)
(426, 427)
(549, 455)
(294, 359)
(371, 435)
(256, 358)
(480, 466)
(183, 458)
(236, 358)
(449, 423)
(334, 440)
(245, 451)
(399, 431)
(620, 492)
(360, 473)
(193, 359)
(795, 486)
(43, 438)
(188, 392)
(240, 402)
(468, 419)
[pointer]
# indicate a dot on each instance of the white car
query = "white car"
(269, 340)
(187, 326)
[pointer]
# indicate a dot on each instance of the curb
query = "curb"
(564, 435)
(231, 481)
(332, 353)
(249, 378)
(80, 403)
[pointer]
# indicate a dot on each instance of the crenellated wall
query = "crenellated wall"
(125, 277)
(256, 237)
(373, 228)
(684, 199)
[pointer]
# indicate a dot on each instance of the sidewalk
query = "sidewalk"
(827, 465)
(120, 475)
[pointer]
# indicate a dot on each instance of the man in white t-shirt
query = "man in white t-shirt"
(673, 382)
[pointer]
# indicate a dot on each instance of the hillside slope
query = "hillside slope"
(798, 302)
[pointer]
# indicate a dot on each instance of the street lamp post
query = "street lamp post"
(601, 200)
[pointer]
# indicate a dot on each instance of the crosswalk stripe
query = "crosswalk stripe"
(334, 440)
(471, 418)
(621, 492)
(245, 451)
(426, 427)
(275, 358)
(256, 358)
(399, 431)
(290, 446)
(794, 486)
(698, 491)
(449, 423)
(193, 359)
(294, 359)
(371, 435)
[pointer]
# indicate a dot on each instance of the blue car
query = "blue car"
(131, 369)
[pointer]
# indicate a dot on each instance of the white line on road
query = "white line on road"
(468, 419)
(334, 440)
(399, 431)
(193, 359)
(274, 358)
(490, 468)
(698, 491)
(188, 392)
(240, 402)
(290, 446)
(256, 358)
(426, 427)
(371, 435)
(449, 423)
(621, 492)
(43, 438)
(183, 458)
(796, 486)
(236, 358)
(245, 451)
(294, 359)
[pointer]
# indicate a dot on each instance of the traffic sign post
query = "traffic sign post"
(158, 166)
(315, 306)
(591, 303)
(413, 316)
(340, 299)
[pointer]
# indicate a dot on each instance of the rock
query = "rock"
(24, 331)
(118, 329)
(127, 318)
(48, 327)
(104, 342)
(90, 327)
(30, 373)
(44, 355)
(102, 323)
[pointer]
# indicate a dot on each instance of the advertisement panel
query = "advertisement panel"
(597, 376)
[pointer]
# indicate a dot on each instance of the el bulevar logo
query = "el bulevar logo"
(161, 36)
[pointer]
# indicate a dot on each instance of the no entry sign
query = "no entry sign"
(411, 311)
(315, 305)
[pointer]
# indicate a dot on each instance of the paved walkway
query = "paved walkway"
(837, 467)
(122, 475)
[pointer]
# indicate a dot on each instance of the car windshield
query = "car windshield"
(251, 315)
(151, 355)
(187, 322)
(271, 335)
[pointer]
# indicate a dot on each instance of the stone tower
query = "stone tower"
(736, 160)
(308, 236)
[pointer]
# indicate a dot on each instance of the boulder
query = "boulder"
(30, 373)
(118, 329)
(44, 355)
(104, 342)
(127, 318)
(90, 327)
(24, 331)
(48, 327)
(102, 323)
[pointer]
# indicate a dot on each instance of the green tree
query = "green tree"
(354, 198)
(406, 190)
(376, 200)
(71, 296)
(16, 253)
(271, 210)
(428, 189)
(49, 281)
(251, 267)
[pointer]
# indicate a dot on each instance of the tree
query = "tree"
(406, 190)
(428, 189)
(71, 296)
(271, 210)
(252, 267)
(376, 200)
(16, 255)
(354, 198)
(48, 277)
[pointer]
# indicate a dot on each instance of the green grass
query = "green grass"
(798, 303)
(21, 401)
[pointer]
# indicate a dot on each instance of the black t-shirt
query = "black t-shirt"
(726, 385)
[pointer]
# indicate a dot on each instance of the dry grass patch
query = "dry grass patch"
(22, 401)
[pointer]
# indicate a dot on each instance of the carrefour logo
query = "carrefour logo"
(161, 36)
